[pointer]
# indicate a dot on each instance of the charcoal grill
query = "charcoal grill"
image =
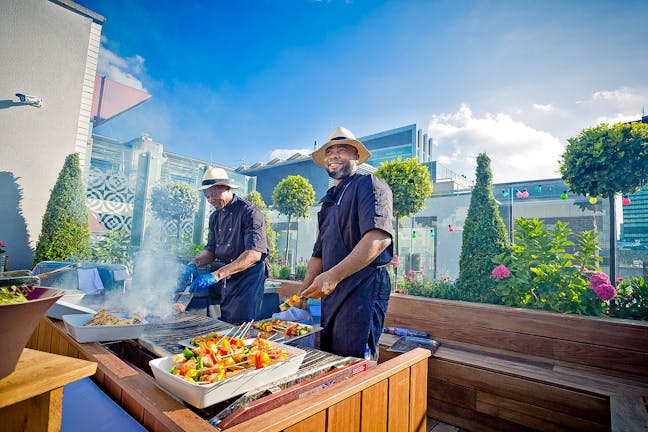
(319, 369)
(163, 338)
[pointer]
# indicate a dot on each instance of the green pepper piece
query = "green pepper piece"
(199, 360)
(188, 353)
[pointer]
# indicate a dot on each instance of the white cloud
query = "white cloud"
(517, 150)
(604, 106)
(121, 69)
(621, 95)
(286, 153)
(543, 108)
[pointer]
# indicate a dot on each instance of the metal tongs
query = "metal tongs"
(183, 298)
(64, 268)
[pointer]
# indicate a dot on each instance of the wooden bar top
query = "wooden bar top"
(39, 372)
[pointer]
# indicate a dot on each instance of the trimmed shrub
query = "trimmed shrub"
(484, 238)
(65, 232)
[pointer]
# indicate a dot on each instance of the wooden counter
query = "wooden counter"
(390, 397)
(31, 398)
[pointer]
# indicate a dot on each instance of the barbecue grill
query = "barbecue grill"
(162, 337)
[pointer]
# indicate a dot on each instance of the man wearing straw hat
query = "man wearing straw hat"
(239, 244)
(347, 268)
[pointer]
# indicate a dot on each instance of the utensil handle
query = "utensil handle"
(64, 268)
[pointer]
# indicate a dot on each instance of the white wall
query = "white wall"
(47, 49)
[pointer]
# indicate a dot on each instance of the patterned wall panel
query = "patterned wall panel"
(110, 196)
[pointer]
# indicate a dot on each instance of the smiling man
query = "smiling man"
(347, 268)
(236, 247)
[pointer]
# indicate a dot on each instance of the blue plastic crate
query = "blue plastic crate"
(315, 309)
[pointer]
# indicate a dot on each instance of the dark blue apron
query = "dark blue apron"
(242, 294)
(353, 314)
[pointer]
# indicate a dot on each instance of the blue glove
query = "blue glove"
(203, 282)
(190, 273)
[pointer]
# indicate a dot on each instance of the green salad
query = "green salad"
(11, 295)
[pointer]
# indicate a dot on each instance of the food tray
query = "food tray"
(281, 336)
(74, 324)
(62, 307)
(274, 336)
(204, 395)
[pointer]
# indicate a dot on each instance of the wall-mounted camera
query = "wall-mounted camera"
(30, 100)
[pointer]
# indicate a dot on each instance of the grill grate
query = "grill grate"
(163, 338)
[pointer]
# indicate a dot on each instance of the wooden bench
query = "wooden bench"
(500, 368)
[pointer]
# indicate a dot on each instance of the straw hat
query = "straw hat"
(341, 135)
(216, 176)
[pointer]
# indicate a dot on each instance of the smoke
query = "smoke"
(155, 279)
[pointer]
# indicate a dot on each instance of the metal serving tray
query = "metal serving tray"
(75, 326)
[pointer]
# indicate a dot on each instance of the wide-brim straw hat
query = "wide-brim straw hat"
(341, 135)
(215, 177)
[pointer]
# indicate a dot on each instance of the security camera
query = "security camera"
(30, 100)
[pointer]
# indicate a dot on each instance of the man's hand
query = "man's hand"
(323, 285)
(190, 272)
(203, 282)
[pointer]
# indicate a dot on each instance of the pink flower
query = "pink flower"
(618, 280)
(395, 262)
(605, 291)
(598, 278)
(501, 272)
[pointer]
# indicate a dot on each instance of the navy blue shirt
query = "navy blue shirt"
(365, 203)
(238, 227)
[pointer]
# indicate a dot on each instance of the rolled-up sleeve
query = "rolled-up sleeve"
(254, 231)
(375, 205)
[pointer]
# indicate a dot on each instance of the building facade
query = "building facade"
(120, 179)
(49, 51)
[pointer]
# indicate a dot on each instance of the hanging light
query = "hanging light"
(525, 193)
(538, 188)
(505, 193)
(432, 233)
(518, 194)
(413, 234)
(450, 229)
(563, 196)
(593, 200)
(626, 200)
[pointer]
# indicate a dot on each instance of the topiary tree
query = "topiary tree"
(292, 197)
(65, 232)
(410, 184)
(174, 202)
(255, 198)
(606, 160)
(484, 238)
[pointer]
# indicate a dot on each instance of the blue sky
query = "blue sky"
(245, 81)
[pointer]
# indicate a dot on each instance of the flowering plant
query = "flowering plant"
(599, 282)
(545, 270)
(631, 300)
(501, 272)
(2, 245)
(395, 262)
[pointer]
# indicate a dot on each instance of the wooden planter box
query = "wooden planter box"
(508, 369)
